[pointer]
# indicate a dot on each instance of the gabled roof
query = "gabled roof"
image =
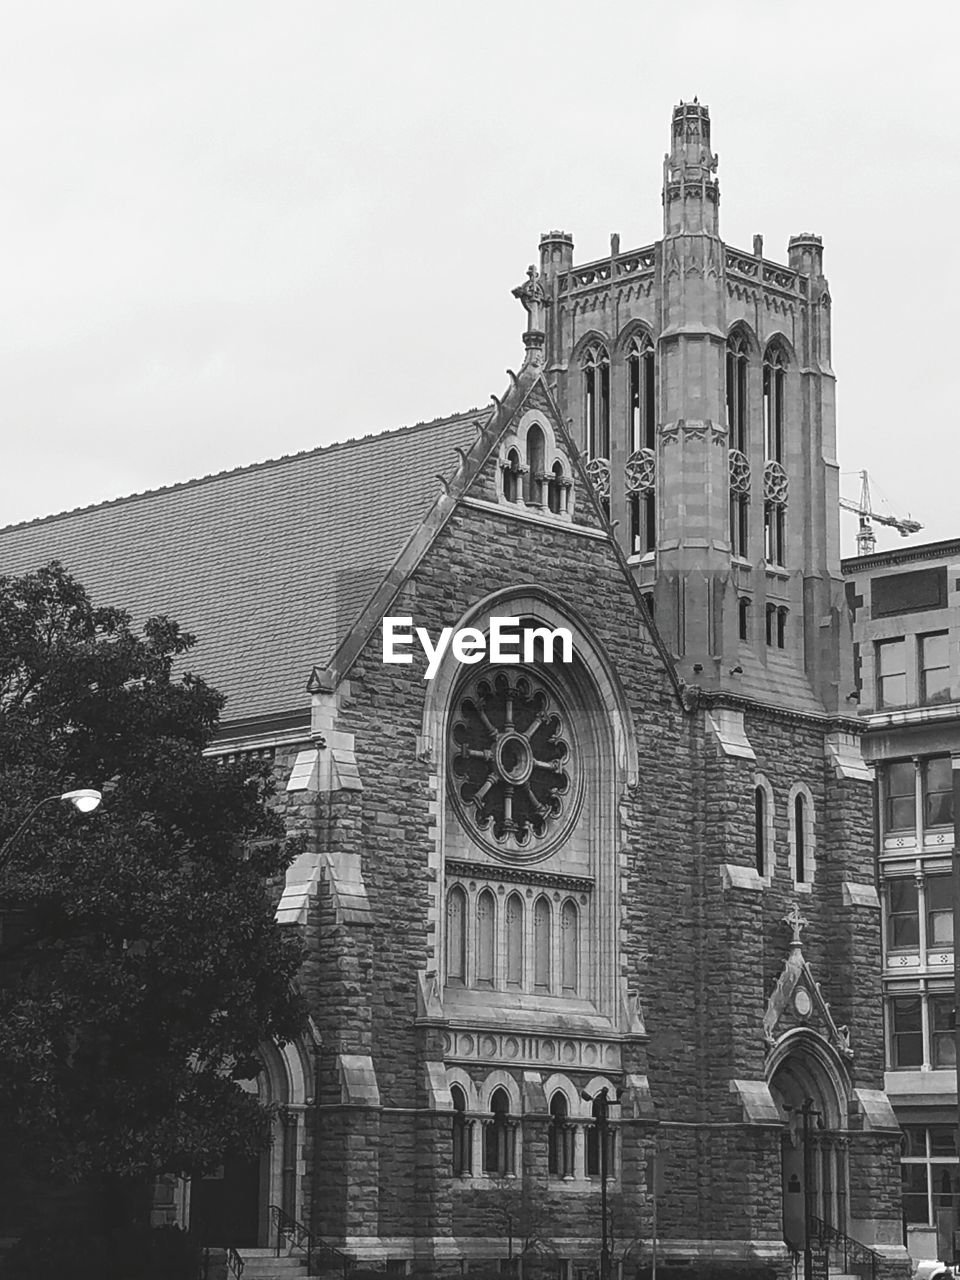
(268, 565)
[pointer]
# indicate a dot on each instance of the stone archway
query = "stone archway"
(805, 1074)
(234, 1204)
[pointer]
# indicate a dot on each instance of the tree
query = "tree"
(140, 965)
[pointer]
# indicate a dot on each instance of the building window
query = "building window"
(782, 613)
(771, 617)
(900, 796)
(930, 1171)
(596, 406)
(643, 522)
(641, 390)
(737, 357)
(514, 924)
(802, 844)
(943, 1042)
(740, 524)
(648, 600)
(486, 933)
(592, 1151)
(773, 403)
(938, 893)
(499, 1137)
(903, 920)
(541, 944)
(560, 1138)
(760, 830)
(558, 488)
(774, 532)
(891, 673)
(456, 936)
(937, 774)
(906, 1032)
(461, 1133)
(536, 449)
(743, 609)
(513, 471)
(934, 668)
(569, 948)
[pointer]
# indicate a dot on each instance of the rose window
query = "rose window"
(598, 471)
(510, 760)
(641, 471)
(739, 472)
(775, 483)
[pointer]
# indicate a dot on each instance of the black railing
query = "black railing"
(235, 1263)
(295, 1235)
(857, 1258)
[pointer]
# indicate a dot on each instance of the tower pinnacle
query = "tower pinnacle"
(691, 192)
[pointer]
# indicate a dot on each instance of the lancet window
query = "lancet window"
(738, 354)
(641, 394)
(774, 402)
(499, 1137)
(596, 400)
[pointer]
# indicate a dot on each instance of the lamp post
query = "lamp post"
(86, 800)
(601, 1113)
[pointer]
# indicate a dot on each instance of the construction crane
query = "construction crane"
(866, 539)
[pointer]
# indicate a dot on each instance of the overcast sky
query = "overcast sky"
(237, 230)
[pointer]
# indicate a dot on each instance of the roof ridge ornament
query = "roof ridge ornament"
(796, 921)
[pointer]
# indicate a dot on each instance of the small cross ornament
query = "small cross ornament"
(796, 922)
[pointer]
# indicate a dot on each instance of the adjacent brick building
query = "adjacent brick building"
(648, 869)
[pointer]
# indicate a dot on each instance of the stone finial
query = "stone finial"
(796, 922)
(534, 300)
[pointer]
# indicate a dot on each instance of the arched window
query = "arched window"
(560, 1142)
(569, 948)
(774, 403)
(514, 921)
(596, 400)
(536, 452)
(764, 832)
(771, 623)
(641, 394)
(541, 945)
(761, 852)
(802, 835)
(456, 936)
(738, 354)
(486, 935)
(499, 1138)
(461, 1133)
(743, 608)
(513, 470)
(558, 488)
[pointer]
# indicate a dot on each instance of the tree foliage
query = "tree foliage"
(140, 965)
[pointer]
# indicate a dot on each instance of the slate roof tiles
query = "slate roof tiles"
(267, 565)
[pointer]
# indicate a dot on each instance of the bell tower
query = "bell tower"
(696, 379)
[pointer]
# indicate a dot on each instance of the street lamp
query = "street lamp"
(601, 1113)
(84, 801)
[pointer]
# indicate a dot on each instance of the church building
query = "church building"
(589, 900)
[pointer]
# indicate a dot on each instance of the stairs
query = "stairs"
(263, 1264)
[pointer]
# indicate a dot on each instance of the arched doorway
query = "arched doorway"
(233, 1205)
(809, 1084)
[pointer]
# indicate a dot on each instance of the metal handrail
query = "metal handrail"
(301, 1237)
(861, 1256)
(235, 1263)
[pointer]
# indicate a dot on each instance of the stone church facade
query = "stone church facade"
(646, 870)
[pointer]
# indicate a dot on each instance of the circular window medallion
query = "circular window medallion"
(512, 772)
(802, 1002)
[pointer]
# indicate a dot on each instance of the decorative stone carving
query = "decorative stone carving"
(739, 472)
(522, 1049)
(511, 771)
(598, 471)
(641, 471)
(775, 484)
